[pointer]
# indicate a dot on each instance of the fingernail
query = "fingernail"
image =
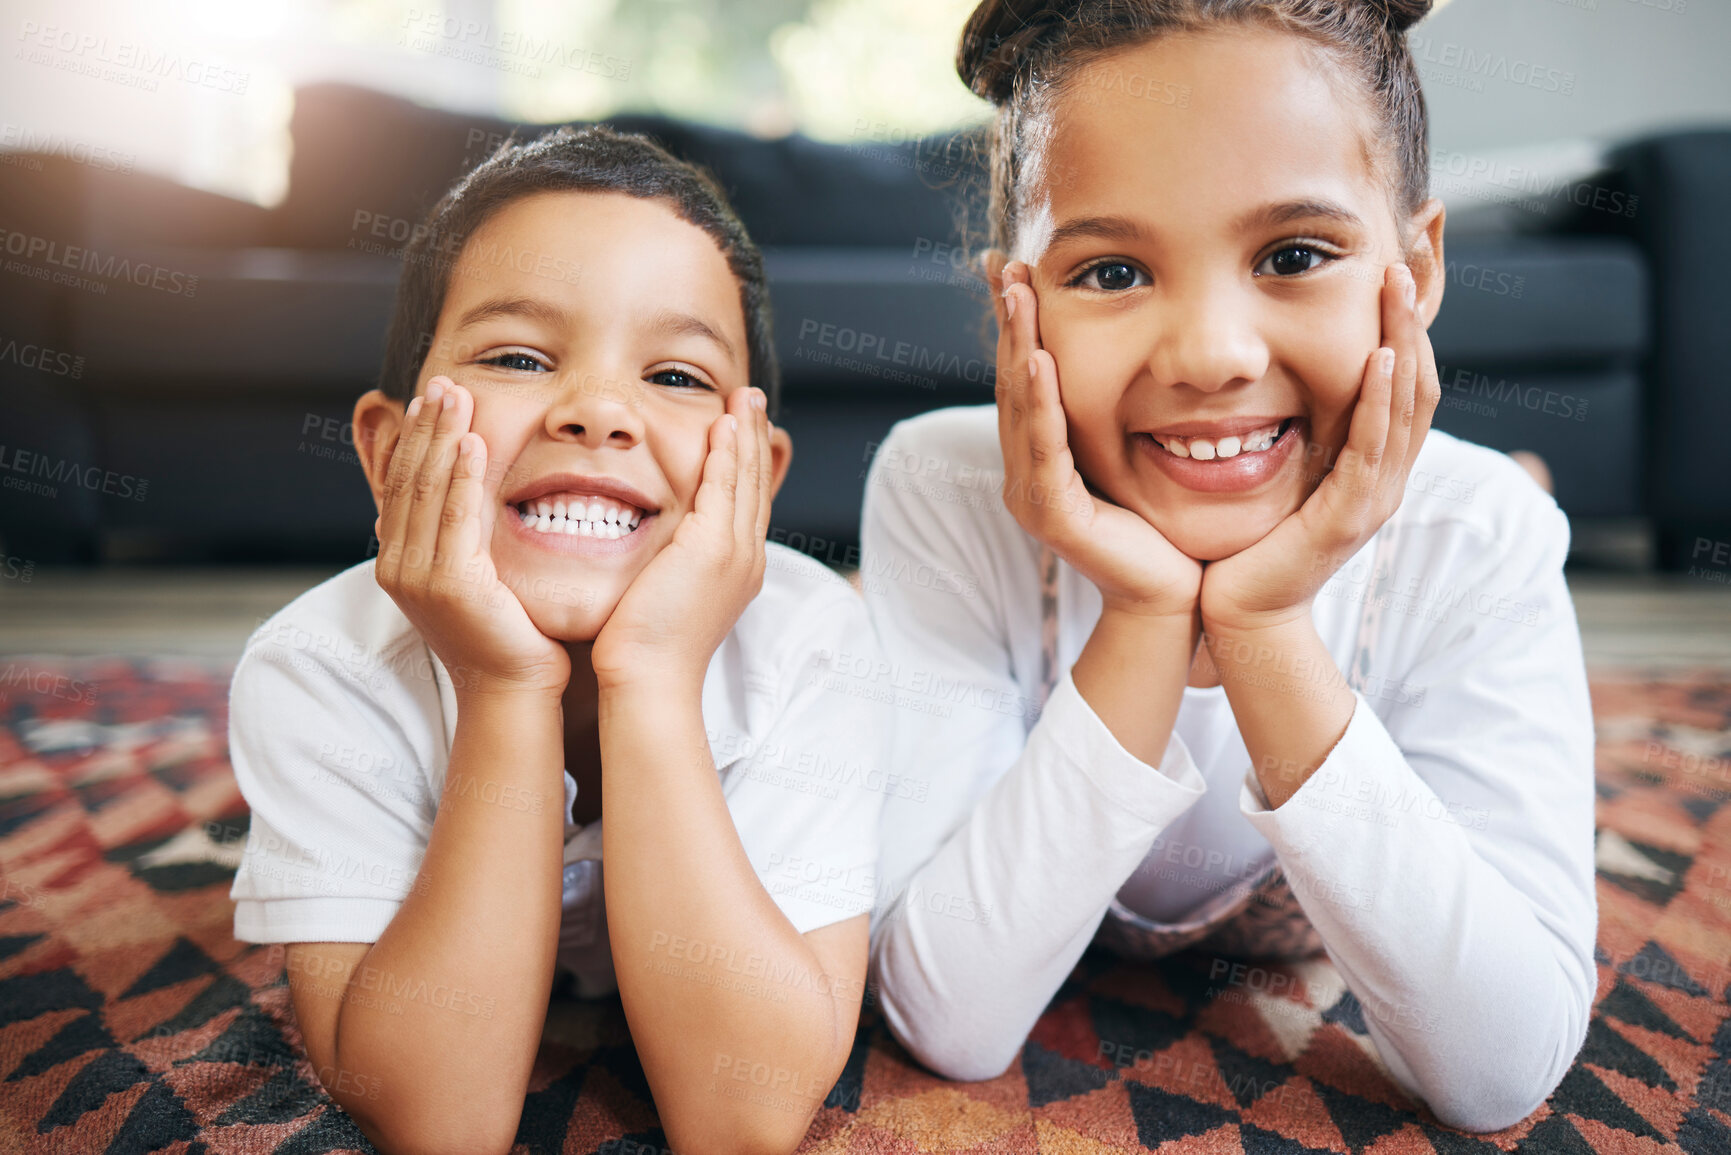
(1386, 360)
(759, 400)
(733, 422)
(1009, 304)
(434, 388)
(414, 408)
(1033, 368)
(449, 402)
(1411, 288)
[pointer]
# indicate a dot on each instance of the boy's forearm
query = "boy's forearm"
(755, 997)
(452, 998)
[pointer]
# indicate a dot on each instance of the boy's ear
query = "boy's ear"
(780, 457)
(1425, 258)
(378, 422)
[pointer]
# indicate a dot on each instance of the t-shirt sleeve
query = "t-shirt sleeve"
(341, 806)
(806, 800)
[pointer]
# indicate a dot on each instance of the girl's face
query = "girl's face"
(1208, 263)
(600, 335)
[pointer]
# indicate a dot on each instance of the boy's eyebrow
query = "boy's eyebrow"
(1286, 212)
(674, 323)
(529, 307)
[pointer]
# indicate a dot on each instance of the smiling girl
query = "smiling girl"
(1294, 673)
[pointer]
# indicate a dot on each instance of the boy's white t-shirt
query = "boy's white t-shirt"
(341, 720)
(1443, 849)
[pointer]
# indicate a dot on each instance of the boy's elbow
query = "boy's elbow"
(1499, 1094)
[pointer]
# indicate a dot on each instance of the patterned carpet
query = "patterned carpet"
(131, 1021)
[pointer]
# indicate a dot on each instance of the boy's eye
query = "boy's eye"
(1291, 261)
(520, 361)
(679, 379)
(1112, 277)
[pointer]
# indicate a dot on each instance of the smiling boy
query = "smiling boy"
(572, 634)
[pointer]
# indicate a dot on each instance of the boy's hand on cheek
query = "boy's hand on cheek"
(433, 528)
(1273, 582)
(675, 613)
(1135, 568)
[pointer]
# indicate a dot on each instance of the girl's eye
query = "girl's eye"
(519, 361)
(680, 379)
(1112, 277)
(1291, 261)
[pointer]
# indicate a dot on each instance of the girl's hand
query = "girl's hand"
(676, 612)
(1274, 581)
(1131, 563)
(433, 530)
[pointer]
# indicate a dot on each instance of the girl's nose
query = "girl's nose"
(1208, 340)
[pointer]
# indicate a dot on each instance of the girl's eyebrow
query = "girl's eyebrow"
(1285, 212)
(1097, 228)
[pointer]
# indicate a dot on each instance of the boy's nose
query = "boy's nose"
(597, 409)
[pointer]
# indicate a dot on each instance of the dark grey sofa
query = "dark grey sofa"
(228, 401)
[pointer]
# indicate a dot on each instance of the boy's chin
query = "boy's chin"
(571, 623)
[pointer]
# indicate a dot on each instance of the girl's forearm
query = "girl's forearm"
(1132, 673)
(452, 998)
(1290, 700)
(714, 978)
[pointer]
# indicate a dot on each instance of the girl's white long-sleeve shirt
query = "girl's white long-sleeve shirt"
(1443, 850)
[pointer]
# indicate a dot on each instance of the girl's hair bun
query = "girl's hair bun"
(1400, 15)
(999, 39)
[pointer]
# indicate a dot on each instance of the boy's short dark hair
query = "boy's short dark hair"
(591, 159)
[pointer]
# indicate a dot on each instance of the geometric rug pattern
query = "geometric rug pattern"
(132, 1021)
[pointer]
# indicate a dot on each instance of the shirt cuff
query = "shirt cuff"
(1154, 794)
(1353, 785)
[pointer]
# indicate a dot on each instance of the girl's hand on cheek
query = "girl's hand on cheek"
(675, 613)
(433, 528)
(1131, 563)
(1274, 581)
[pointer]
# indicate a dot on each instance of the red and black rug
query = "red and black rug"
(131, 1020)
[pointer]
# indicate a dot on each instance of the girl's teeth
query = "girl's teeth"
(1210, 449)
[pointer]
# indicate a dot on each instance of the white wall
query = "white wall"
(1632, 66)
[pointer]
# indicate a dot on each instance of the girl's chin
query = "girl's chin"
(1209, 540)
(571, 624)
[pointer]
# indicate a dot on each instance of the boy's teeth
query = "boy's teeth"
(580, 516)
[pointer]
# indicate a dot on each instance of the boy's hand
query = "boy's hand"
(676, 612)
(1135, 568)
(433, 531)
(1274, 581)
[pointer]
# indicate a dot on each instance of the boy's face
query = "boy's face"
(600, 335)
(1211, 268)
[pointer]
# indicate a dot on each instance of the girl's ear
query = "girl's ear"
(1425, 258)
(780, 457)
(992, 261)
(378, 423)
